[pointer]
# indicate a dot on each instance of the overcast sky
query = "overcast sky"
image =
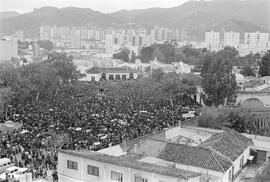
(105, 6)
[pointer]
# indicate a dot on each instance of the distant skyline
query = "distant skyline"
(104, 6)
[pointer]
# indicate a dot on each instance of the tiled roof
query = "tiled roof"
(230, 144)
(124, 69)
(131, 161)
(194, 156)
(216, 153)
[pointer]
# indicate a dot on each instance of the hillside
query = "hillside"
(8, 14)
(195, 17)
(70, 16)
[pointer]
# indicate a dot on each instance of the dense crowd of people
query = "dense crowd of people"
(81, 117)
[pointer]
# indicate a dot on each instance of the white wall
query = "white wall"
(236, 165)
(80, 175)
(8, 49)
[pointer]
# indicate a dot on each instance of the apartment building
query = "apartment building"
(20, 35)
(256, 40)
(232, 39)
(212, 40)
(8, 48)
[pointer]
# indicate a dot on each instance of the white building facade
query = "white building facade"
(8, 48)
(256, 40)
(212, 40)
(81, 168)
(231, 39)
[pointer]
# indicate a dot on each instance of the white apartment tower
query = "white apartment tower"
(232, 39)
(8, 48)
(212, 40)
(44, 32)
(114, 42)
(256, 40)
(76, 38)
(19, 35)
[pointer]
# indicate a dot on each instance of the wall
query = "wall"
(262, 96)
(80, 175)
(236, 165)
(8, 49)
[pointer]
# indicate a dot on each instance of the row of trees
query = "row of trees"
(126, 55)
(45, 44)
(159, 87)
(168, 52)
(240, 119)
(41, 79)
(218, 81)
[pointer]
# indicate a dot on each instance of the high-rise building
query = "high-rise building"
(44, 32)
(256, 40)
(76, 38)
(19, 35)
(212, 40)
(35, 49)
(232, 39)
(8, 48)
(114, 42)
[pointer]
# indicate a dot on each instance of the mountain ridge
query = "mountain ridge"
(8, 14)
(195, 17)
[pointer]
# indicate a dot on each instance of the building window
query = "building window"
(116, 176)
(72, 165)
(93, 78)
(131, 76)
(110, 77)
(92, 170)
(140, 179)
(124, 77)
(117, 77)
(116, 41)
(103, 76)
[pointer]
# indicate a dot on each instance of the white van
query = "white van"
(4, 164)
(12, 170)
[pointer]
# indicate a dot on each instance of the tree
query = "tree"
(239, 119)
(218, 81)
(177, 89)
(157, 75)
(42, 77)
(133, 57)
(64, 67)
(6, 95)
(265, 65)
(146, 53)
(123, 54)
(45, 44)
(248, 71)
(168, 50)
(10, 77)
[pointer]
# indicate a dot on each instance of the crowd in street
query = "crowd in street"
(80, 117)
